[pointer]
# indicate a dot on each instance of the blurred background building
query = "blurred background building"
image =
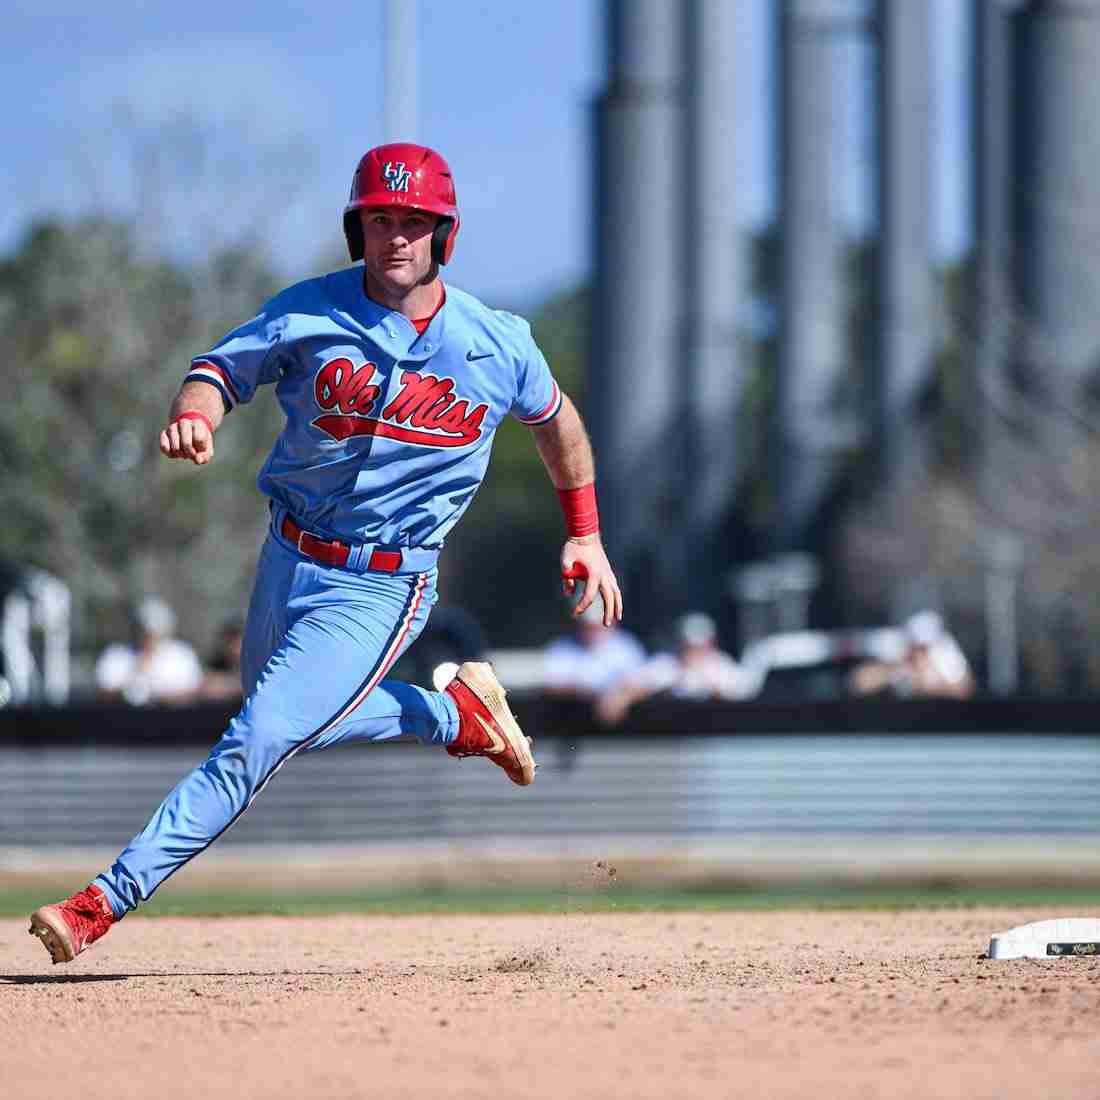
(926, 425)
(820, 273)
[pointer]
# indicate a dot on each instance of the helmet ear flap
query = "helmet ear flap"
(443, 239)
(353, 231)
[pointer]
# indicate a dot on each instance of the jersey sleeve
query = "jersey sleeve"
(241, 361)
(538, 397)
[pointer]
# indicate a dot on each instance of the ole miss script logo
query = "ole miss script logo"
(425, 411)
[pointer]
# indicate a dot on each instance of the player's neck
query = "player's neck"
(421, 300)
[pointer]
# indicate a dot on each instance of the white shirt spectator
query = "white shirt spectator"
(699, 670)
(171, 670)
(931, 664)
(592, 662)
(162, 669)
(709, 675)
(945, 657)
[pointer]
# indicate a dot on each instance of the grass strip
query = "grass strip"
(810, 897)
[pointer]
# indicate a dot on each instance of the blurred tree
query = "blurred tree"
(96, 339)
(759, 350)
(1011, 498)
(101, 317)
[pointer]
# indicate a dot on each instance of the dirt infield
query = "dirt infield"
(790, 1004)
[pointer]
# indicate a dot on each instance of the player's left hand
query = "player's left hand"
(583, 558)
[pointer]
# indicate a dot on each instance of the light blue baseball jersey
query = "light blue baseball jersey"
(387, 438)
(387, 433)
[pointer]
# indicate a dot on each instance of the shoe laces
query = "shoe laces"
(88, 913)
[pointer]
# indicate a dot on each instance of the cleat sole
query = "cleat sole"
(50, 928)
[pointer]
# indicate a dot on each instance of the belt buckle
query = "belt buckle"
(302, 532)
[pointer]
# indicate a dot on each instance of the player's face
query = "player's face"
(397, 246)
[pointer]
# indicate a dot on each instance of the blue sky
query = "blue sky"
(222, 116)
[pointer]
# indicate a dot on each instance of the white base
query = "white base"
(1031, 941)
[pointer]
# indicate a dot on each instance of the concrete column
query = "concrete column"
(992, 123)
(998, 300)
(812, 338)
(905, 338)
(997, 276)
(1057, 185)
(635, 368)
(714, 287)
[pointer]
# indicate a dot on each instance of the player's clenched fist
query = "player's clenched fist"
(190, 435)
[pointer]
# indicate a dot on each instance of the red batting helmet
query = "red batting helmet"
(404, 175)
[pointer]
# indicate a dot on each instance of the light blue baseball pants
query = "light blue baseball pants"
(318, 642)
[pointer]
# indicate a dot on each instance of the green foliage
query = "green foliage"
(96, 338)
(758, 351)
(292, 899)
(956, 441)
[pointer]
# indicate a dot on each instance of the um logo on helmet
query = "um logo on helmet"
(396, 175)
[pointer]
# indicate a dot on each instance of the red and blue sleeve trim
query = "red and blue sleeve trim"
(551, 410)
(204, 370)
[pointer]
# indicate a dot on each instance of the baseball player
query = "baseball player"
(393, 384)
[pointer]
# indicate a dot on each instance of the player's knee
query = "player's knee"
(268, 729)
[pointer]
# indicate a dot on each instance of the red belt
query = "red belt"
(335, 552)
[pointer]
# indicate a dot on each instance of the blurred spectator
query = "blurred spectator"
(222, 679)
(698, 670)
(592, 661)
(158, 669)
(932, 664)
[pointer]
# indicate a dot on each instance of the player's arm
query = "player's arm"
(194, 417)
(567, 455)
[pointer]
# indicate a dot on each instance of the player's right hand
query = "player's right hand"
(583, 559)
(188, 439)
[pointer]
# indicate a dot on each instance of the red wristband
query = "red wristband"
(194, 414)
(582, 517)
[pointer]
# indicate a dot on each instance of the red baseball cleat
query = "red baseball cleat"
(68, 927)
(486, 727)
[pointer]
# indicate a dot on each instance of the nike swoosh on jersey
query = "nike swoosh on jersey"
(496, 741)
(471, 358)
